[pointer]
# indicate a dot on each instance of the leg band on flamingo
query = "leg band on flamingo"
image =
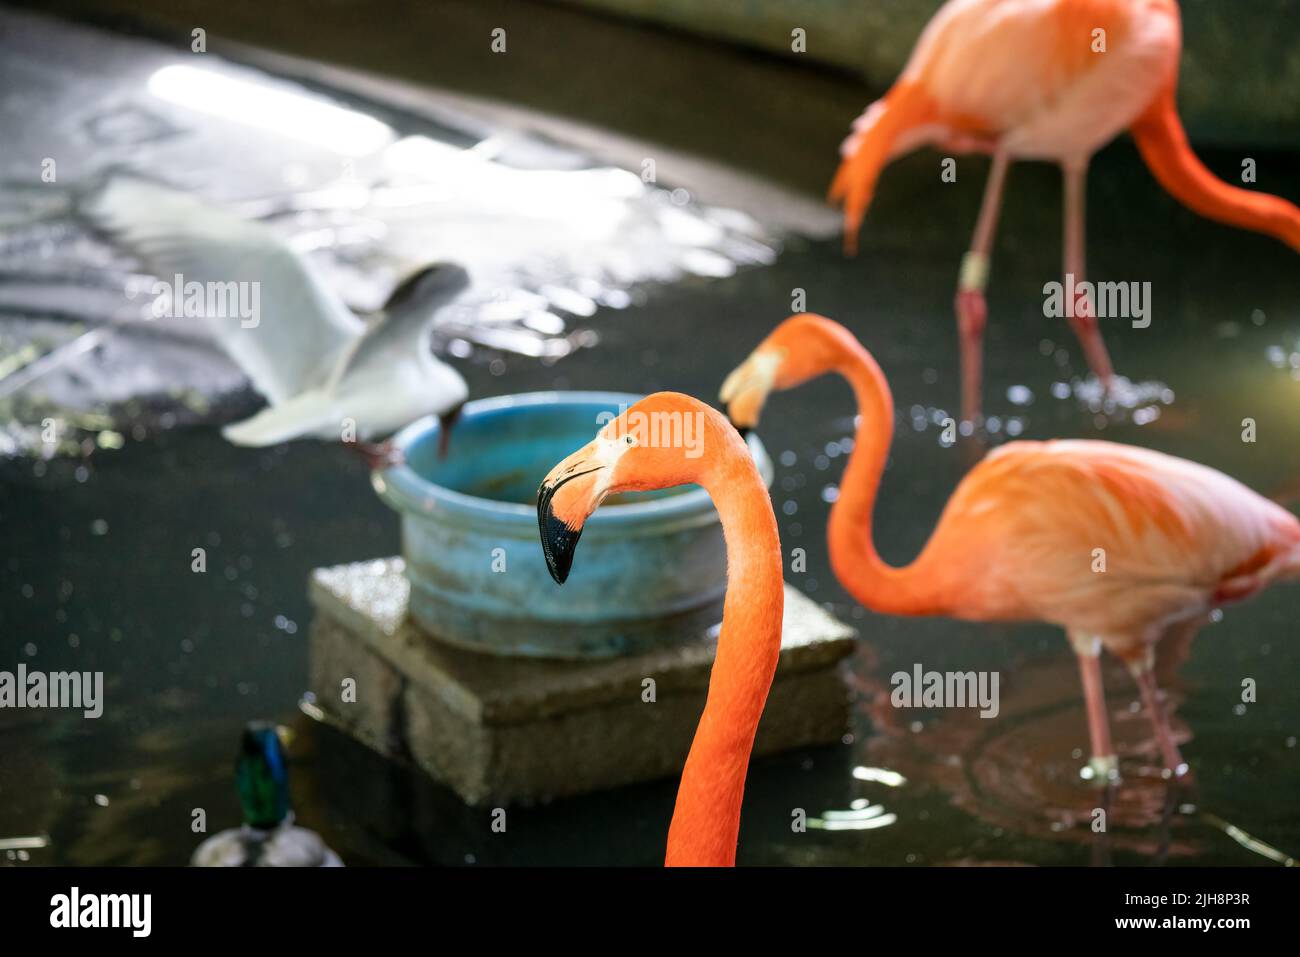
(974, 272)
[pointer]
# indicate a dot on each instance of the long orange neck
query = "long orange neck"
(706, 820)
(1164, 147)
(911, 590)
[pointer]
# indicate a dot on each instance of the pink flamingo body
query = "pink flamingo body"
(1175, 539)
(1051, 80)
(1117, 545)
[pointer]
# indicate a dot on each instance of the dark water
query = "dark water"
(96, 574)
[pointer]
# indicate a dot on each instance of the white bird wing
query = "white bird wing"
(300, 328)
(308, 414)
(402, 334)
(382, 380)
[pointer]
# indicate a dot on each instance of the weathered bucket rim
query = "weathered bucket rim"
(407, 490)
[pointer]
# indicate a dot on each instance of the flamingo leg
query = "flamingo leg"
(1083, 317)
(1103, 766)
(972, 310)
(1145, 677)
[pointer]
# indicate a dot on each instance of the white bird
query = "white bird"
(323, 371)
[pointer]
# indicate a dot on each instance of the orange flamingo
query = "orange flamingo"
(622, 458)
(1120, 546)
(1043, 80)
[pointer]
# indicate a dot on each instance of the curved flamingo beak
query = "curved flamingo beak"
(747, 388)
(566, 498)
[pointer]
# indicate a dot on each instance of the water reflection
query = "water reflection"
(861, 816)
(1020, 771)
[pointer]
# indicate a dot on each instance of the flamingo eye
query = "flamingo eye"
(630, 440)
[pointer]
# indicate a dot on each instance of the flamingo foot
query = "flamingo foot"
(972, 316)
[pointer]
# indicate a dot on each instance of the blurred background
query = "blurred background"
(530, 168)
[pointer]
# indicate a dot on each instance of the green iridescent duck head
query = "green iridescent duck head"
(262, 776)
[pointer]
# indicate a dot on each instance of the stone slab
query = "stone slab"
(510, 730)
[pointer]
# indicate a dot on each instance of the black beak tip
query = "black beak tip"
(558, 540)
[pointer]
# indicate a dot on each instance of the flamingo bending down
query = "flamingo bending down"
(706, 819)
(1117, 545)
(1043, 80)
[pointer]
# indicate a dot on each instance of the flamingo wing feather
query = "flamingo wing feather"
(1107, 538)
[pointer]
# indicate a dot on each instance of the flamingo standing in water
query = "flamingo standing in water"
(1043, 80)
(706, 819)
(1120, 546)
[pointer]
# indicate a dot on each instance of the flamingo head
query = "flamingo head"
(657, 443)
(800, 348)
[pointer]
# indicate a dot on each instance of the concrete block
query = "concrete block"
(519, 730)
